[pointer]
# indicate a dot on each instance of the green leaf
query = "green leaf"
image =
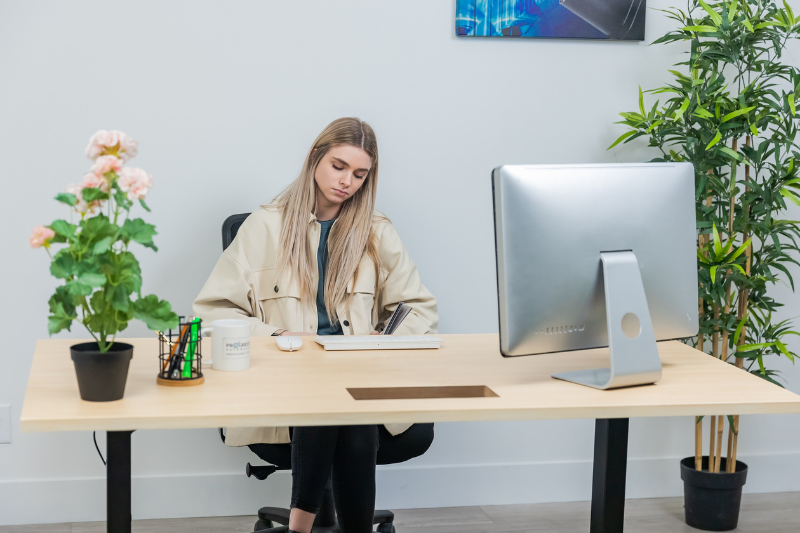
(138, 230)
(92, 279)
(734, 7)
(654, 125)
(740, 249)
(64, 229)
(715, 140)
(700, 112)
(59, 319)
(717, 241)
(754, 346)
(684, 106)
(711, 13)
(102, 246)
(790, 13)
(63, 265)
(90, 194)
(62, 311)
(790, 98)
(789, 195)
(120, 297)
(784, 351)
(713, 272)
(95, 228)
(622, 138)
(700, 29)
(157, 314)
(67, 198)
(731, 153)
(641, 101)
(77, 288)
(737, 113)
(748, 25)
(144, 205)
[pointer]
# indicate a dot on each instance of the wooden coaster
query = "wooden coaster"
(180, 382)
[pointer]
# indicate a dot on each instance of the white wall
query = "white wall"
(225, 98)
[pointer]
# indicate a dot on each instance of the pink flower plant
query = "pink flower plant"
(94, 181)
(112, 142)
(40, 236)
(96, 261)
(105, 164)
(135, 182)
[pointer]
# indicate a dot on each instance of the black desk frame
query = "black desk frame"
(608, 478)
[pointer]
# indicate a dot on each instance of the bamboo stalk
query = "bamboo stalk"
(701, 241)
(712, 443)
(698, 444)
(732, 459)
(743, 301)
(718, 457)
(715, 336)
(730, 450)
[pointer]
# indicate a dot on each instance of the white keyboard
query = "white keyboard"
(377, 342)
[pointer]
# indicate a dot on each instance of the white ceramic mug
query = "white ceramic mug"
(230, 344)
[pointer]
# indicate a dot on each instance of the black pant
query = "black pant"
(348, 454)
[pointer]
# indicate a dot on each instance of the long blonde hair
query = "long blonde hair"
(351, 235)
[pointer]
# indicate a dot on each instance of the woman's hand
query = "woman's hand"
(375, 333)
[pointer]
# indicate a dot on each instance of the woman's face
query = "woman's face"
(342, 171)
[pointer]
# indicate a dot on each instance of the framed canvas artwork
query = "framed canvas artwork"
(575, 19)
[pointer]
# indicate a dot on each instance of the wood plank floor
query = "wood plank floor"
(761, 513)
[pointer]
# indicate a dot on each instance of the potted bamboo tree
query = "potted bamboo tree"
(730, 111)
(99, 272)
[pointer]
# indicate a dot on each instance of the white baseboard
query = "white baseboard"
(399, 487)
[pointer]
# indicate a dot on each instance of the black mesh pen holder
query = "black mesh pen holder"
(180, 357)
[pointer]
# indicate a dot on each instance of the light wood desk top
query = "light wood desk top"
(309, 387)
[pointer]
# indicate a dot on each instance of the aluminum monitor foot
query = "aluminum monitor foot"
(631, 340)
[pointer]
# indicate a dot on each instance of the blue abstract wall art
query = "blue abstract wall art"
(576, 19)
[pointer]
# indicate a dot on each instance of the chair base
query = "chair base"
(281, 516)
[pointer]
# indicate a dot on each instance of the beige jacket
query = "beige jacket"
(244, 285)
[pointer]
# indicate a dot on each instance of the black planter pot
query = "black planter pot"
(712, 501)
(101, 376)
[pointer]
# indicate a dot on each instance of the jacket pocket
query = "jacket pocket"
(279, 301)
(361, 294)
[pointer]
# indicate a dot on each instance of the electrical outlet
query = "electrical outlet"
(5, 424)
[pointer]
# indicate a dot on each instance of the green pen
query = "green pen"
(193, 340)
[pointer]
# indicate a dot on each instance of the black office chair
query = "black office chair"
(280, 457)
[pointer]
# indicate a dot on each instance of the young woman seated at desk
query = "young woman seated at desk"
(319, 260)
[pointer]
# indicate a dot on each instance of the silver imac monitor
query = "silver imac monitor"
(590, 256)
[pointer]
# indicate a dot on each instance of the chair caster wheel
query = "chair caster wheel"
(263, 524)
(388, 527)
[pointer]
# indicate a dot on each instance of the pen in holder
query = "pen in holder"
(179, 355)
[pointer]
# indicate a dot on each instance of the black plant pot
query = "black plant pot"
(712, 501)
(101, 376)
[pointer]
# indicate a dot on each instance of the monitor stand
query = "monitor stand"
(631, 340)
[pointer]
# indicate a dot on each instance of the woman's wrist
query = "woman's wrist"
(278, 332)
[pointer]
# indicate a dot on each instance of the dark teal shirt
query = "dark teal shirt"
(324, 326)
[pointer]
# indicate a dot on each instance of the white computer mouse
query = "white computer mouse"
(289, 344)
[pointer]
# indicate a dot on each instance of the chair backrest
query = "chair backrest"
(230, 227)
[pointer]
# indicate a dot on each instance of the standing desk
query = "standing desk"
(466, 379)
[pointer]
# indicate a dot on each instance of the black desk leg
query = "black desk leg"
(608, 483)
(118, 482)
